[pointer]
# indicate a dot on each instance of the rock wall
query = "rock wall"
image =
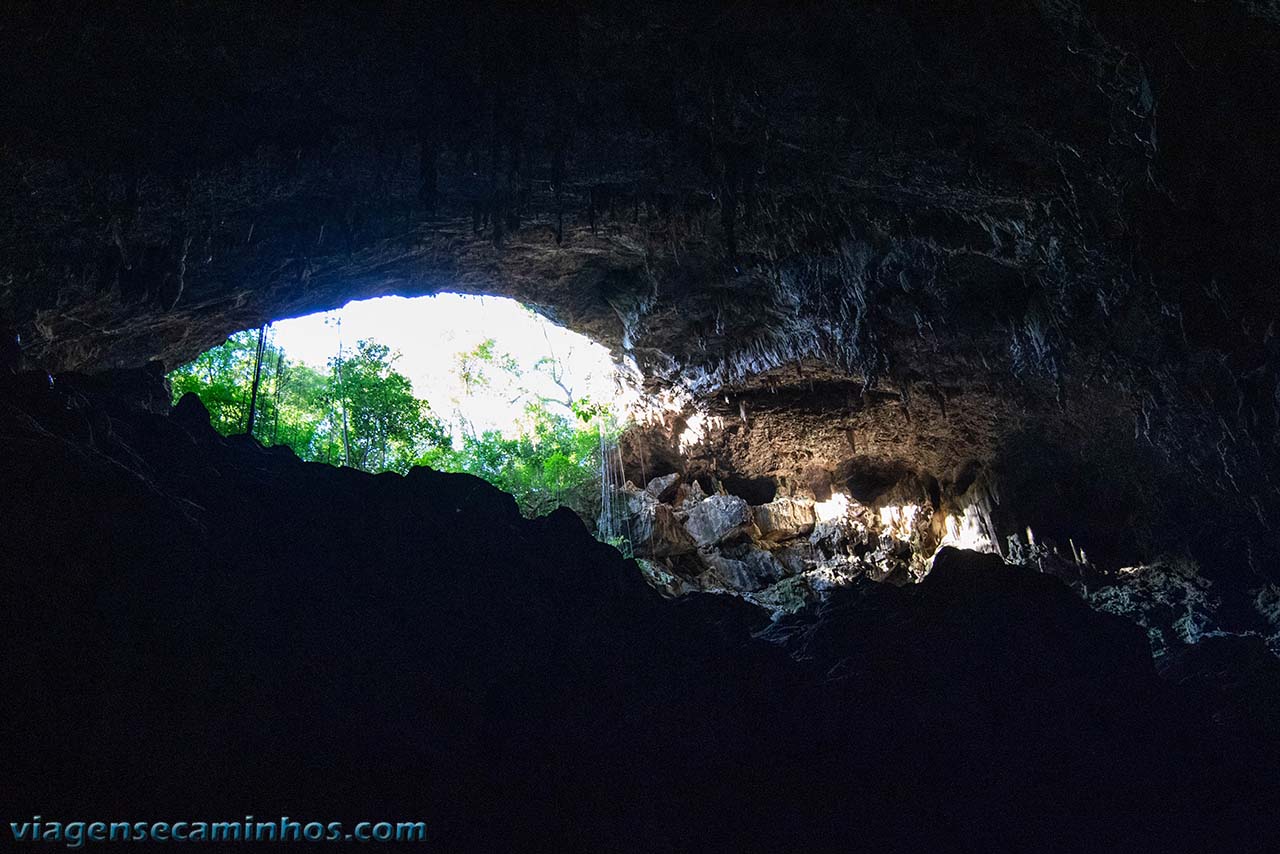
(796, 550)
(876, 250)
(781, 554)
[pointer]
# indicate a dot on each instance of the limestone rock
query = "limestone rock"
(831, 537)
(719, 518)
(764, 564)
(688, 496)
(1169, 598)
(813, 585)
(660, 578)
(655, 530)
(797, 557)
(750, 570)
(784, 518)
(637, 500)
(664, 488)
(660, 534)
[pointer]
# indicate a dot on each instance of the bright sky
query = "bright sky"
(429, 331)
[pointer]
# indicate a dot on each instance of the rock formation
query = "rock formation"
(200, 627)
(861, 238)
(962, 269)
(780, 554)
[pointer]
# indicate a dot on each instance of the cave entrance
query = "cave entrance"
(486, 386)
(482, 385)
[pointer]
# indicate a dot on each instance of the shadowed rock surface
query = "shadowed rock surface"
(1011, 264)
(199, 627)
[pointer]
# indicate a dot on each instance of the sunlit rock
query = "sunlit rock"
(653, 527)
(831, 537)
(663, 488)
(836, 506)
(719, 518)
(689, 496)
(970, 529)
(784, 518)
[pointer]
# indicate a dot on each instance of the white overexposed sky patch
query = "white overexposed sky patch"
(429, 331)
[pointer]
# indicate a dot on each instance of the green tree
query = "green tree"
(475, 366)
(364, 411)
(388, 428)
(301, 417)
(221, 377)
(554, 459)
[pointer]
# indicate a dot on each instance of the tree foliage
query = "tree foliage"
(552, 462)
(386, 427)
(554, 458)
(362, 412)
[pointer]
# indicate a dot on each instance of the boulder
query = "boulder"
(689, 495)
(763, 565)
(719, 518)
(660, 534)
(662, 579)
(664, 488)
(638, 501)
(753, 569)
(654, 529)
(797, 557)
(831, 537)
(729, 573)
(784, 518)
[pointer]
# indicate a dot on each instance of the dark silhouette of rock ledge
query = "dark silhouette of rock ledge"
(199, 627)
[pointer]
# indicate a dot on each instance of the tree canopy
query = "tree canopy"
(363, 413)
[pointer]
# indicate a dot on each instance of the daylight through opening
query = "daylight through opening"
(482, 385)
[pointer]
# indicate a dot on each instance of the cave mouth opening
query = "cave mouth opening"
(755, 499)
(475, 384)
(487, 386)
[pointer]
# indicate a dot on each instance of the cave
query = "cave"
(953, 495)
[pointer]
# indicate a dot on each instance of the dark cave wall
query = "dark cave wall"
(981, 222)
(201, 627)
(939, 244)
